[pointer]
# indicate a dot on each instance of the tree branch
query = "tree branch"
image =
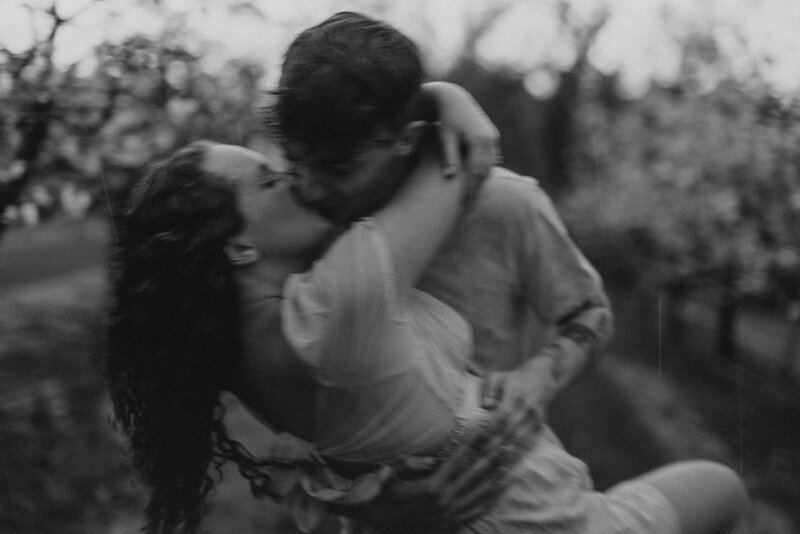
(482, 27)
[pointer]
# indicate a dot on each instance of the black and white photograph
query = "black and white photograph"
(400, 267)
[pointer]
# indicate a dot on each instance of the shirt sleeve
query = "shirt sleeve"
(558, 281)
(336, 314)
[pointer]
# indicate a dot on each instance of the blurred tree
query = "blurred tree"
(164, 97)
(560, 122)
(539, 133)
(28, 102)
(89, 130)
(680, 188)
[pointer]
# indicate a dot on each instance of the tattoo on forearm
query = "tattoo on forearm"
(580, 334)
(589, 323)
(562, 368)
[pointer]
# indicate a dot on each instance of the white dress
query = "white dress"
(391, 369)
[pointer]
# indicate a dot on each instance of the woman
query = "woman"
(195, 315)
(164, 255)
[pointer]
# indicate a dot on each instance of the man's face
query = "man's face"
(343, 186)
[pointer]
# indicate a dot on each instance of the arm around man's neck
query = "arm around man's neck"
(420, 216)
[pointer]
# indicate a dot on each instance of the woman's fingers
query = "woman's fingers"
(484, 153)
(451, 152)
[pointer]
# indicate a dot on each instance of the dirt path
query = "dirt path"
(750, 413)
(58, 248)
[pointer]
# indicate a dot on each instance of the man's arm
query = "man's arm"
(566, 293)
(548, 372)
(462, 487)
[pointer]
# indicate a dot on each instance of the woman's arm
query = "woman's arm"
(462, 125)
(421, 215)
(331, 313)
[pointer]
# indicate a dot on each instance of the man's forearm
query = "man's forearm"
(566, 357)
(560, 363)
(590, 328)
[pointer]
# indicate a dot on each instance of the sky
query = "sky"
(640, 40)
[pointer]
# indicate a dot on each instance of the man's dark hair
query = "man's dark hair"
(344, 80)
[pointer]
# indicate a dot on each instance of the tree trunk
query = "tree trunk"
(786, 370)
(726, 312)
(33, 127)
(676, 291)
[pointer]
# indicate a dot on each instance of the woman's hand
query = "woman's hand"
(464, 124)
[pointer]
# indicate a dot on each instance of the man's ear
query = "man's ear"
(241, 251)
(410, 137)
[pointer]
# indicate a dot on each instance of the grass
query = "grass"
(63, 469)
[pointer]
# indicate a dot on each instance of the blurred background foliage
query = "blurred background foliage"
(664, 180)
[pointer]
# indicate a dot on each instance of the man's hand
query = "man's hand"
(462, 487)
(532, 386)
(536, 383)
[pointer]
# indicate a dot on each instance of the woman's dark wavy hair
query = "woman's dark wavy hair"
(174, 335)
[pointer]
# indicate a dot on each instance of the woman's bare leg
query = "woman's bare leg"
(710, 498)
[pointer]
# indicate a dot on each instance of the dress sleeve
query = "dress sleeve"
(337, 315)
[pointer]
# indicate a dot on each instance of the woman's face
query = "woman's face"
(274, 222)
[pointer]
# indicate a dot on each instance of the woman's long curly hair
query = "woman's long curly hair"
(174, 337)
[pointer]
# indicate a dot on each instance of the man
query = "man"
(348, 109)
